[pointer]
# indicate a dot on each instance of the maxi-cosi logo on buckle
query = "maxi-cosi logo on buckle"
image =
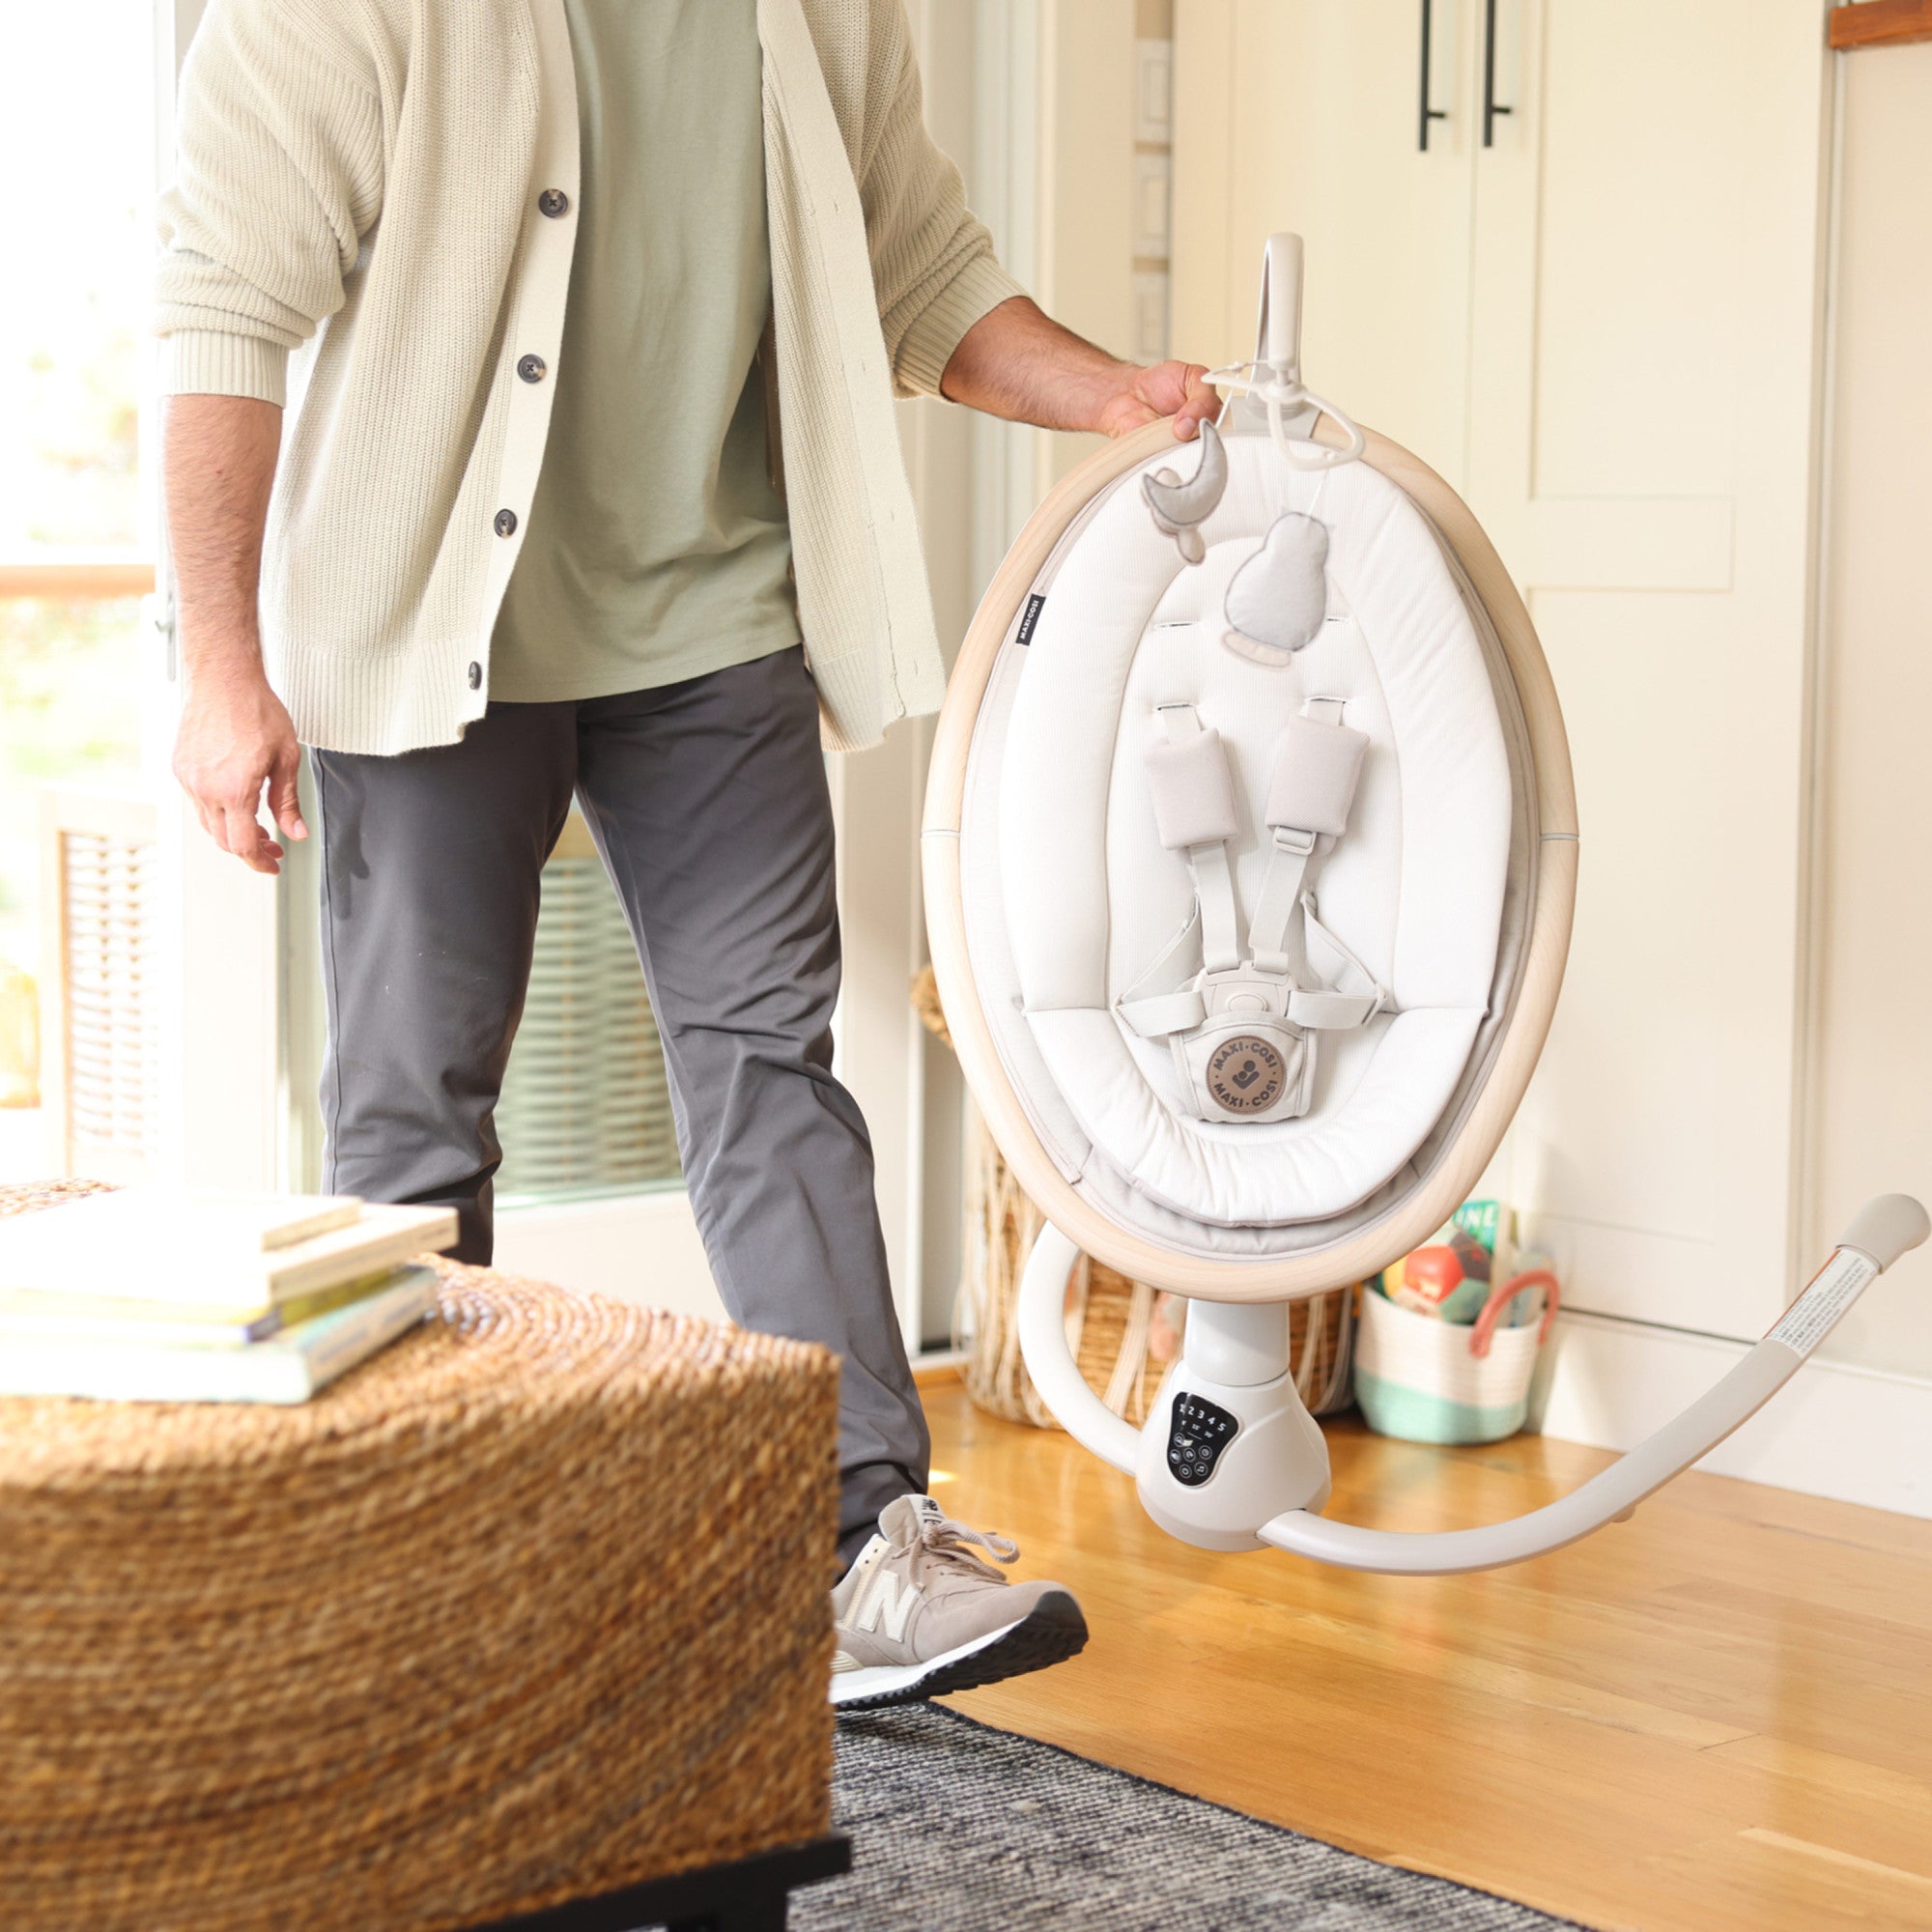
(889, 1601)
(1246, 1075)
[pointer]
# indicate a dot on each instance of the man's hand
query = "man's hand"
(1018, 363)
(234, 738)
(218, 467)
(1176, 390)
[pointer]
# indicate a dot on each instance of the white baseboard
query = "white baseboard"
(1857, 1434)
(636, 1247)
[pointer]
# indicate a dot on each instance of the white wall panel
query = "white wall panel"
(1870, 1125)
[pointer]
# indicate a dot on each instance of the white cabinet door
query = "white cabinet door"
(1642, 355)
(1597, 323)
(1306, 115)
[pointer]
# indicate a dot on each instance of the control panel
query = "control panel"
(1198, 1431)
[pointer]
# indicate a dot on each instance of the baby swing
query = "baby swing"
(1250, 853)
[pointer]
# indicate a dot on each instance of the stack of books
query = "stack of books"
(187, 1295)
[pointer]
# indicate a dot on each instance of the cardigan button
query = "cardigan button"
(476, 677)
(553, 202)
(530, 368)
(506, 523)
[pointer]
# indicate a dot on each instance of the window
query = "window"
(586, 1106)
(585, 1109)
(77, 551)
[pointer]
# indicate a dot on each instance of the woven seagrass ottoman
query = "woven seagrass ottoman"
(529, 1610)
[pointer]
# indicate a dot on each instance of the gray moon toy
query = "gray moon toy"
(1181, 508)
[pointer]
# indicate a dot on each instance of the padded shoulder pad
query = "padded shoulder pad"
(1193, 793)
(1315, 777)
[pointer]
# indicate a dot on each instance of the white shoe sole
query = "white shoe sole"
(1053, 1630)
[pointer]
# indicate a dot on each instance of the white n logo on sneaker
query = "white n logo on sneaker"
(888, 1601)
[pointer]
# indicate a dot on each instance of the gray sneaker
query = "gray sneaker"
(918, 1614)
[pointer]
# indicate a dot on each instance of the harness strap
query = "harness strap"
(1328, 1006)
(1206, 856)
(1163, 1013)
(1153, 1015)
(1309, 797)
(1280, 895)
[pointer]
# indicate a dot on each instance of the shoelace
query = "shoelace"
(946, 1542)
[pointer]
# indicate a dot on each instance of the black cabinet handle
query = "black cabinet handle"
(1491, 107)
(1427, 113)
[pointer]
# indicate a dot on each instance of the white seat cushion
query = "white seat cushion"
(1415, 887)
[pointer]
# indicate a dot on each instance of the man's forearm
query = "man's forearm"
(218, 467)
(235, 737)
(1018, 363)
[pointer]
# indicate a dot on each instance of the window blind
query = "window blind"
(113, 1026)
(585, 1104)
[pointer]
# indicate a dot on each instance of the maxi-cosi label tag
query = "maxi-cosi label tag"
(1830, 1292)
(1030, 616)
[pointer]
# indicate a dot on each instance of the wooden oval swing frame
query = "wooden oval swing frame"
(1417, 1215)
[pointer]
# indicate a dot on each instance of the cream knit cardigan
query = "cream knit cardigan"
(358, 181)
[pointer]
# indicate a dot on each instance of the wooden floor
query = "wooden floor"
(1715, 1716)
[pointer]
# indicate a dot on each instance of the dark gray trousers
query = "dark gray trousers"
(709, 803)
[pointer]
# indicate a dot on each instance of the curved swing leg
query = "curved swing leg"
(1607, 1498)
(1041, 1310)
(1881, 1230)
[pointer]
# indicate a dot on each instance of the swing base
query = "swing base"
(1231, 1460)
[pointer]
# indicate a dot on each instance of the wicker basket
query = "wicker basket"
(529, 1607)
(1125, 1334)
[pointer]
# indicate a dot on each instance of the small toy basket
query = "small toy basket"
(1429, 1380)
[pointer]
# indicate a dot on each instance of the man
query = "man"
(593, 487)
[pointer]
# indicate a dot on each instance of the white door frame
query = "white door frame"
(218, 952)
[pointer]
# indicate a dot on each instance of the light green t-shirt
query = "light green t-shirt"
(657, 549)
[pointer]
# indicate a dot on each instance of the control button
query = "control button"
(506, 523)
(476, 677)
(531, 368)
(553, 202)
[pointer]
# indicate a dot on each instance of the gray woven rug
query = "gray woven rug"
(956, 1827)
